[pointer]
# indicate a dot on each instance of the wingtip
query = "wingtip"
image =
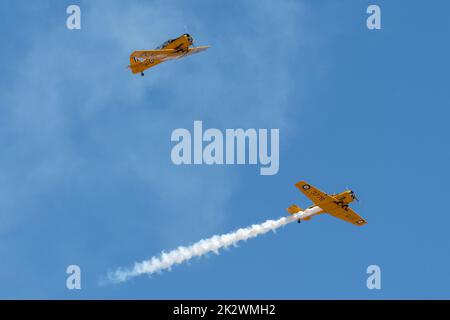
(300, 184)
(361, 223)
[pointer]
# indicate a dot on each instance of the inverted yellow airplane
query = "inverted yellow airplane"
(169, 50)
(336, 204)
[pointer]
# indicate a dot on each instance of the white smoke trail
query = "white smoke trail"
(167, 259)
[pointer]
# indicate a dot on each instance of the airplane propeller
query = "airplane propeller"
(186, 32)
(352, 193)
(354, 196)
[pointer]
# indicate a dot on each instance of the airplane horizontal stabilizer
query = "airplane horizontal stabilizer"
(294, 209)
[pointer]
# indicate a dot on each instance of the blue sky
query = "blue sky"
(86, 176)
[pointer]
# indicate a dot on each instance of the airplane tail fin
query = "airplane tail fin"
(134, 65)
(139, 66)
(294, 209)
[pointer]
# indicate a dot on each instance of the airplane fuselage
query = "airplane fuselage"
(309, 213)
(182, 43)
(342, 199)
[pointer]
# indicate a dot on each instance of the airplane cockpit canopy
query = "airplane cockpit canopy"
(164, 44)
(172, 40)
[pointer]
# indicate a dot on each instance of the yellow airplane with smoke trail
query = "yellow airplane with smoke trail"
(336, 204)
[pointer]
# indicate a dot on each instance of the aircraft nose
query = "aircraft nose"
(353, 195)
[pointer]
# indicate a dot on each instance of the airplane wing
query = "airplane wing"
(153, 54)
(348, 215)
(314, 194)
(196, 50)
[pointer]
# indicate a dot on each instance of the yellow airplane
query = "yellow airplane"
(169, 50)
(336, 204)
